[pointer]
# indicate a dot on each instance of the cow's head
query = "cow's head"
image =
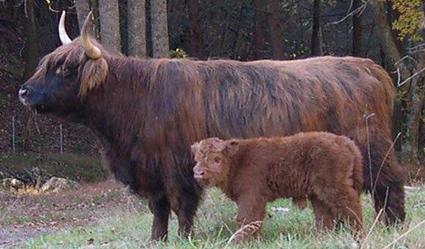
(64, 76)
(213, 158)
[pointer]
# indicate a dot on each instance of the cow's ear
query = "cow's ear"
(232, 147)
(93, 74)
(194, 148)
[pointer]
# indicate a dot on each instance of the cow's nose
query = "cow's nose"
(23, 92)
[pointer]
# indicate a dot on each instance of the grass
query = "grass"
(72, 166)
(130, 228)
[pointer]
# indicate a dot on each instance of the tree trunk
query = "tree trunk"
(276, 34)
(82, 7)
(422, 116)
(315, 35)
(416, 95)
(422, 135)
(31, 54)
(195, 29)
(260, 29)
(239, 46)
(388, 45)
(415, 103)
(109, 25)
(160, 45)
(31, 43)
(136, 13)
(96, 22)
(357, 30)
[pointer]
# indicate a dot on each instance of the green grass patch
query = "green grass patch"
(78, 167)
(215, 224)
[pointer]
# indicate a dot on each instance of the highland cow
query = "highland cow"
(147, 112)
(325, 167)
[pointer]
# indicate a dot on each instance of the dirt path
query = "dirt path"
(23, 216)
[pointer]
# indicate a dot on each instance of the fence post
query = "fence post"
(13, 135)
(61, 138)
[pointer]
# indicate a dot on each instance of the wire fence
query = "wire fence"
(14, 140)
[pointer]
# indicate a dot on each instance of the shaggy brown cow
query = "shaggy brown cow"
(325, 167)
(147, 113)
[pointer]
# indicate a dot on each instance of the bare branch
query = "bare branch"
(404, 58)
(356, 11)
(411, 77)
(383, 161)
(366, 117)
(404, 234)
(245, 231)
(417, 48)
(371, 229)
(398, 76)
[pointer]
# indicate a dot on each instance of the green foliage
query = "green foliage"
(178, 53)
(410, 20)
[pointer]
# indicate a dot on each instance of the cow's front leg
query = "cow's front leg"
(186, 210)
(160, 208)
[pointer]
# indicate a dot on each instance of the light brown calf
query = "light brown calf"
(322, 166)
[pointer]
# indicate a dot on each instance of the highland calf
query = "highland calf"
(325, 167)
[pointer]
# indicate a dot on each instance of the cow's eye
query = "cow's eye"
(63, 71)
(217, 159)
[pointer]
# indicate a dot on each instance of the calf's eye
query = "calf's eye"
(217, 159)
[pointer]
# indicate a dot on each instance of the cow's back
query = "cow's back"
(267, 98)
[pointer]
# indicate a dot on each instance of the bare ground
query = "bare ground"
(23, 216)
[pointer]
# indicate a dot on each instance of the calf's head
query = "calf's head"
(214, 158)
(64, 76)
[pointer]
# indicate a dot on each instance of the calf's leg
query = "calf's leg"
(324, 219)
(250, 216)
(300, 202)
(340, 202)
(349, 209)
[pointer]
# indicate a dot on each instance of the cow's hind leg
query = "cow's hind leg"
(160, 207)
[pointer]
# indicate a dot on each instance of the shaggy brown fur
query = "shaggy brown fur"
(325, 167)
(148, 112)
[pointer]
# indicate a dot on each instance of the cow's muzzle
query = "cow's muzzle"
(23, 94)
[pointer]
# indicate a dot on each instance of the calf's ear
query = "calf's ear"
(194, 148)
(217, 144)
(232, 147)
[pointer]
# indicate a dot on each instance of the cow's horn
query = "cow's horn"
(63, 36)
(92, 51)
